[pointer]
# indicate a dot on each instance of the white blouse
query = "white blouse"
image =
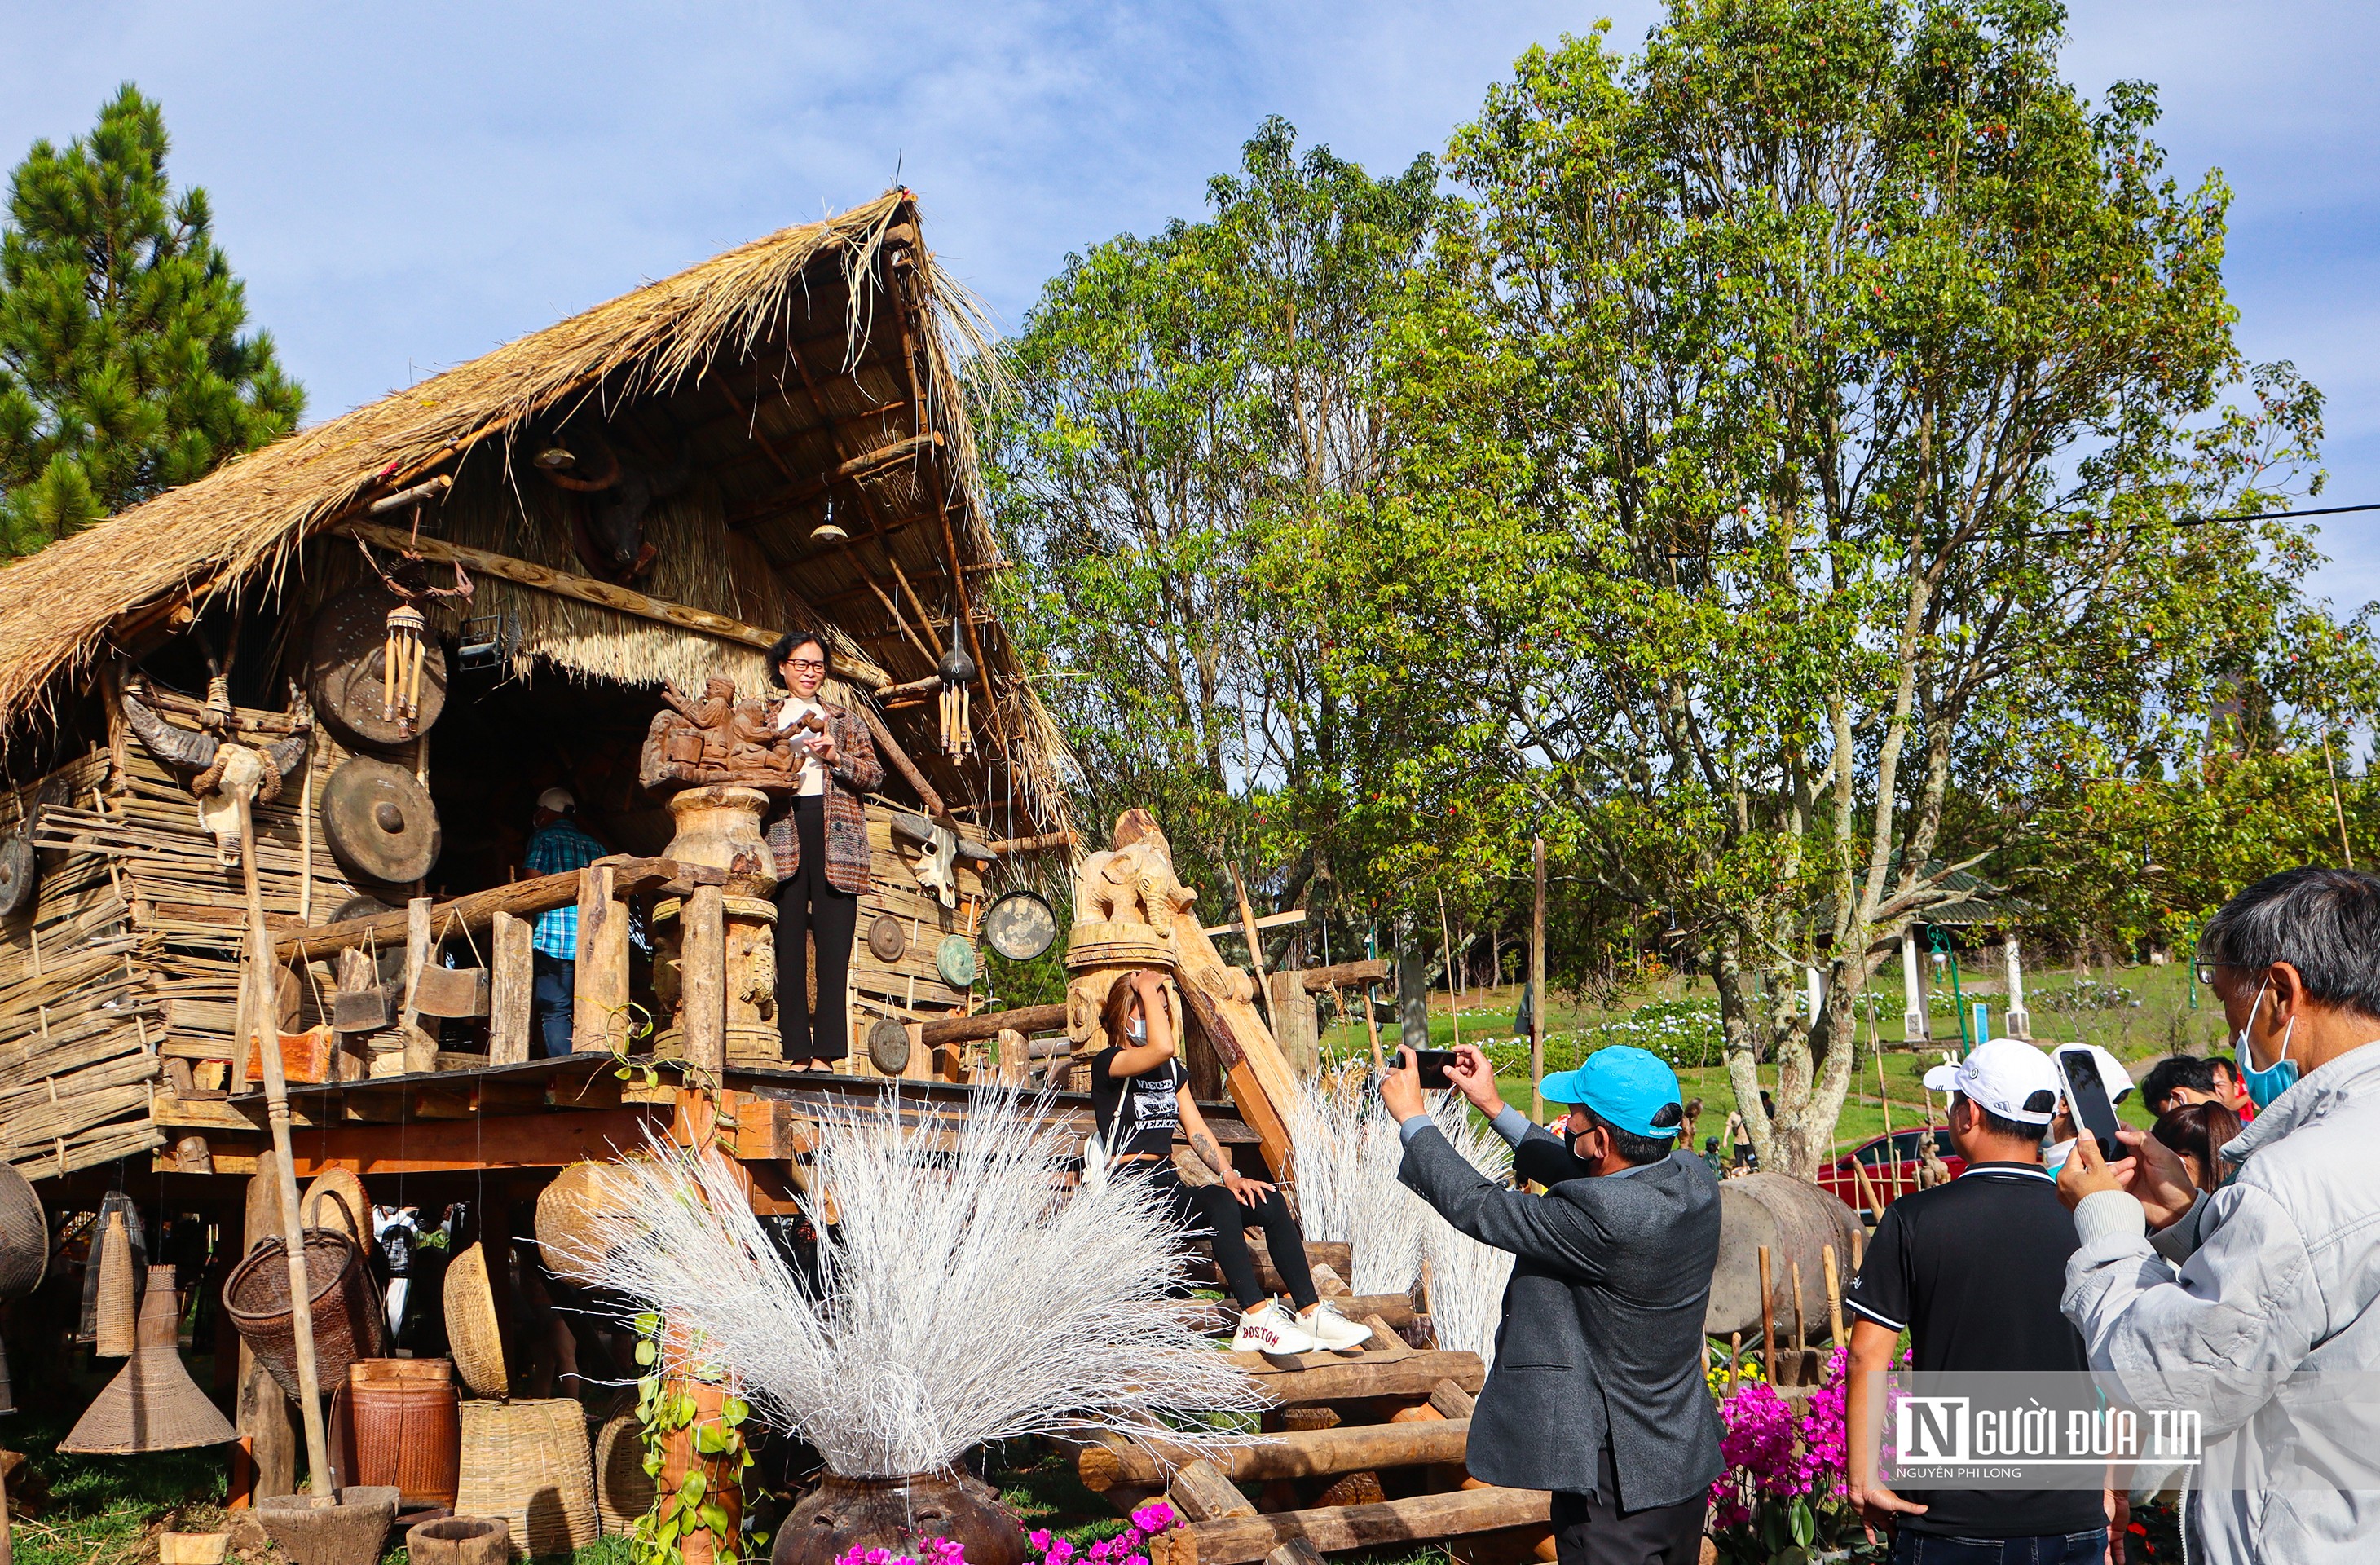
(791, 711)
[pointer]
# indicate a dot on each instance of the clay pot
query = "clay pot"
(898, 1514)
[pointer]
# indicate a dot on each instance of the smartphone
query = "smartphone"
(2087, 1095)
(1431, 1065)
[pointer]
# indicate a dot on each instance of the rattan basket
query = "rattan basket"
(153, 1405)
(336, 1198)
(473, 1336)
(528, 1462)
(118, 1299)
(24, 1236)
(345, 1305)
(623, 1490)
(569, 1214)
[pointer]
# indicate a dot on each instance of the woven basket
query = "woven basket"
(528, 1462)
(24, 1236)
(401, 1415)
(346, 1311)
(623, 1490)
(473, 1336)
(569, 1211)
(335, 1199)
(113, 1203)
(153, 1405)
(118, 1300)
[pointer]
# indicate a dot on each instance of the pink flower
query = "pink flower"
(1040, 1538)
(1154, 1516)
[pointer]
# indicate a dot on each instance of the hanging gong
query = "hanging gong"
(888, 1046)
(379, 822)
(885, 940)
(1020, 926)
(955, 960)
(346, 666)
(17, 873)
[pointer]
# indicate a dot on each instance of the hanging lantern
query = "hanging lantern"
(401, 665)
(958, 670)
(153, 1405)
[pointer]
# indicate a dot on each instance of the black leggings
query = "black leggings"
(1209, 1212)
(807, 904)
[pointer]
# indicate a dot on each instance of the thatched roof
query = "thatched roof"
(829, 366)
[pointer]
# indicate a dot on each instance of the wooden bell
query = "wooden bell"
(957, 672)
(117, 1307)
(401, 665)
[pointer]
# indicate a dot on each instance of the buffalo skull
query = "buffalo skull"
(221, 771)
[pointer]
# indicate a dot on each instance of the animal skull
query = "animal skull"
(226, 772)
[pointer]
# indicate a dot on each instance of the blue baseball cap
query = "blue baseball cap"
(1623, 1085)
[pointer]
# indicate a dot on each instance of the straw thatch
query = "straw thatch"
(750, 310)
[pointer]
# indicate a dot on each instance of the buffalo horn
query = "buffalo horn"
(175, 749)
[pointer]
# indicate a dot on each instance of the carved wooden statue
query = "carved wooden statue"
(714, 738)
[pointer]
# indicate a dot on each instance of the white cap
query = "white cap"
(557, 800)
(2001, 1075)
(2113, 1078)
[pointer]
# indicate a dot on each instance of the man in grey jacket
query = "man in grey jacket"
(1597, 1392)
(2251, 1306)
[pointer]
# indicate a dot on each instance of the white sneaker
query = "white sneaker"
(1334, 1331)
(1268, 1328)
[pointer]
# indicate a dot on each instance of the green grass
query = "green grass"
(2156, 1018)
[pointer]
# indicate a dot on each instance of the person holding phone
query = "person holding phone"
(1972, 1269)
(2255, 1306)
(1597, 1392)
(819, 838)
(1140, 1098)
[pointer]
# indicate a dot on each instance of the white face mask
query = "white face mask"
(1137, 1030)
(2055, 1153)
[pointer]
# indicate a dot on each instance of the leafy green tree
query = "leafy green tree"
(1794, 446)
(1184, 399)
(123, 369)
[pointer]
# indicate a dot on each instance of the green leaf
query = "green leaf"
(647, 1352)
(690, 1490)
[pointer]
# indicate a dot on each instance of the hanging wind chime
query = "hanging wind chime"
(401, 649)
(958, 670)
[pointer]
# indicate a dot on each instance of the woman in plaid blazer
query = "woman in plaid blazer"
(819, 835)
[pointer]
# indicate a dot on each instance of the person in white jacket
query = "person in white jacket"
(2252, 1307)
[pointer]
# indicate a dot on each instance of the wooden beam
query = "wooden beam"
(477, 910)
(1243, 1540)
(1270, 921)
(512, 1010)
(902, 763)
(1327, 1378)
(523, 1141)
(603, 594)
(848, 470)
(974, 1029)
(1300, 1453)
(1345, 974)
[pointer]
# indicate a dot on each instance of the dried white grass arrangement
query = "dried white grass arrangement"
(1347, 1189)
(962, 1297)
(1466, 1277)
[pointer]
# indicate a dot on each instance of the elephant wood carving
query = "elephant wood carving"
(221, 771)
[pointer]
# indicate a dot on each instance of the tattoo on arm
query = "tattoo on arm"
(1204, 1145)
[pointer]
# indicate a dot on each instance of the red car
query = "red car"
(1891, 1163)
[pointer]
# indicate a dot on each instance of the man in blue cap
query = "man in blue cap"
(1597, 1392)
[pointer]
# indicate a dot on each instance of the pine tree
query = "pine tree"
(123, 371)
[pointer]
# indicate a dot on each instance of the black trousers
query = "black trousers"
(807, 905)
(1209, 1212)
(1593, 1530)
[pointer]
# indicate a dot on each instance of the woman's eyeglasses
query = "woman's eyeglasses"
(806, 665)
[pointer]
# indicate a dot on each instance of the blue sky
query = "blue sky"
(405, 186)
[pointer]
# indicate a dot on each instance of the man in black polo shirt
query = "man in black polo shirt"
(1973, 1271)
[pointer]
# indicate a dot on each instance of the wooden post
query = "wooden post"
(1834, 1297)
(1537, 983)
(1296, 1022)
(702, 977)
(1767, 1320)
(267, 1442)
(512, 1012)
(419, 949)
(1015, 1056)
(1801, 1329)
(1734, 1360)
(599, 1012)
(258, 973)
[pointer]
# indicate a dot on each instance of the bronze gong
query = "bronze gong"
(379, 822)
(344, 670)
(885, 939)
(17, 873)
(888, 1046)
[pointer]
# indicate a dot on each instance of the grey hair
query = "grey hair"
(2325, 922)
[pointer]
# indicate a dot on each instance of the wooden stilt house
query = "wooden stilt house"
(648, 491)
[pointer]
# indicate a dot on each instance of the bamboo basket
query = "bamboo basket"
(119, 1303)
(24, 1236)
(623, 1490)
(347, 1310)
(405, 1429)
(528, 1462)
(473, 1336)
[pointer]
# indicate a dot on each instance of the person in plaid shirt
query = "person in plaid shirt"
(556, 844)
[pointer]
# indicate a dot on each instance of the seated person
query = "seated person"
(1141, 1094)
